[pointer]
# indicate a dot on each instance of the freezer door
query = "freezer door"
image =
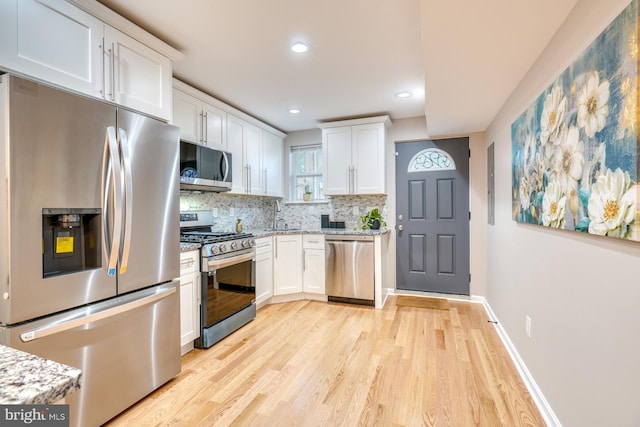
(126, 347)
(150, 251)
(55, 144)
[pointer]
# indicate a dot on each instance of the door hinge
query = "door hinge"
(469, 215)
(469, 153)
(469, 277)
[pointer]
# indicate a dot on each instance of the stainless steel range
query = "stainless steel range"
(227, 263)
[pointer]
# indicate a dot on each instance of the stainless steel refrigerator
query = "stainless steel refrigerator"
(89, 235)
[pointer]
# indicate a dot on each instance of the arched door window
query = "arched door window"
(431, 159)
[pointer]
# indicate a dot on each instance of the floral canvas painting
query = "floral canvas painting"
(575, 151)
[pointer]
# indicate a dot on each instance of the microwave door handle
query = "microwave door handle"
(112, 182)
(225, 159)
(128, 198)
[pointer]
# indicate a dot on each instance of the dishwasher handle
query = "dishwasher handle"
(347, 238)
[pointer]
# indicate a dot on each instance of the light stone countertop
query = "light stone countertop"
(27, 379)
(186, 247)
(325, 231)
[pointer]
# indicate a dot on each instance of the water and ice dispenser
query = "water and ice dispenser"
(71, 241)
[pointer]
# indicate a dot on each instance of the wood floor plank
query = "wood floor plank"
(309, 363)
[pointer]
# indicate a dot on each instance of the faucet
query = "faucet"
(276, 209)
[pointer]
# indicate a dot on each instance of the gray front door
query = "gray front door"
(432, 204)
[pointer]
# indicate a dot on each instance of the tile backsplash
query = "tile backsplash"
(257, 212)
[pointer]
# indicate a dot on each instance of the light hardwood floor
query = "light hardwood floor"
(309, 363)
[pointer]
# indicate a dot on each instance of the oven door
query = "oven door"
(230, 288)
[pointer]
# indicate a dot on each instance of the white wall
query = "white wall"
(581, 291)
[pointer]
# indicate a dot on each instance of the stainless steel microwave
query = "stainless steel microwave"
(204, 168)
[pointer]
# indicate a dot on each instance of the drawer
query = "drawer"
(189, 262)
(264, 244)
(313, 241)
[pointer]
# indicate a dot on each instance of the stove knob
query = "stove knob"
(214, 249)
(246, 244)
(234, 246)
(223, 247)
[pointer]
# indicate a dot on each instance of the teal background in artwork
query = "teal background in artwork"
(575, 150)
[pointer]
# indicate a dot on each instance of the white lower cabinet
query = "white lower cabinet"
(264, 269)
(287, 264)
(189, 299)
(313, 269)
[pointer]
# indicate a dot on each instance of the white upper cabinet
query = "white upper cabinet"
(354, 156)
(245, 141)
(52, 41)
(257, 156)
(136, 76)
(187, 114)
(336, 148)
(272, 164)
(59, 43)
(199, 121)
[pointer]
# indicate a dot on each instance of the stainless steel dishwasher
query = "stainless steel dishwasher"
(349, 268)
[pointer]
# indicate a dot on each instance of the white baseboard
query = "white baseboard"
(536, 394)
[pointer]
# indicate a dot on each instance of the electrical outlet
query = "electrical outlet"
(356, 210)
(214, 212)
(527, 325)
(232, 212)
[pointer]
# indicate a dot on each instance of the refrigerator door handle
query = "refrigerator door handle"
(112, 174)
(128, 200)
(94, 317)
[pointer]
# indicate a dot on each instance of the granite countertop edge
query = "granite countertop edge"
(28, 379)
(187, 247)
(326, 231)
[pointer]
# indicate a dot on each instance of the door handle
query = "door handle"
(55, 328)
(205, 127)
(400, 227)
(112, 173)
(128, 200)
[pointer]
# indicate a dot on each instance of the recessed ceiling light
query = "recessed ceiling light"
(294, 111)
(299, 47)
(403, 94)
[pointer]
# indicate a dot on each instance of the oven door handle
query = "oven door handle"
(221, 263)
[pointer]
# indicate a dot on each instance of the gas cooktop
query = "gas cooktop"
(206, 237)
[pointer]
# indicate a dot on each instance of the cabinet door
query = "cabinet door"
(235, 139)
(253, 158)
(336, 146)
(189, 307)
(139, 77)
(313, 271)
(214, 127)
(186, 115)
(264, 269)
(287, 265)
(367, 153)
(52, 41)
(272, 154)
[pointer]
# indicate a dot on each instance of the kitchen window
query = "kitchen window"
(306, 173)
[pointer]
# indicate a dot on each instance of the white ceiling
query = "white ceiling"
(468, 55)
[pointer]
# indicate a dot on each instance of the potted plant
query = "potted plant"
(307, 193)
(372, 220)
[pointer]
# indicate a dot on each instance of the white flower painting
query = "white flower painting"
(575, 150)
